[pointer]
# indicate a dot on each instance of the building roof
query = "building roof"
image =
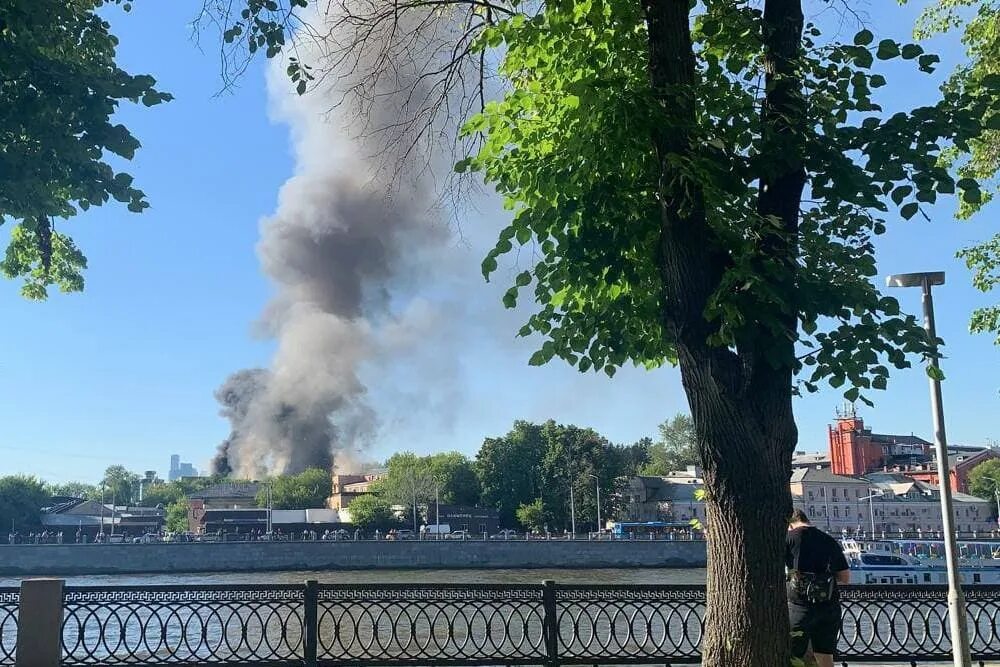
(813, 459)
(893, 439)
(228, 490)
(822, 475)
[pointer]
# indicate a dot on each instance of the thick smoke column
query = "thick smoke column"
(346, 231)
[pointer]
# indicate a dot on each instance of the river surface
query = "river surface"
(562, 576)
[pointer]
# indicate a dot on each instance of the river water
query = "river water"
(563, 576)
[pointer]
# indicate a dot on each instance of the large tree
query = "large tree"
(119, 485)
(699, 184)
(21, 499)
(509, 469)
(979, 23)
(984, 480)
(675, 449)
(371, 512)
(454, 477)
(307, 490)
(59, 90)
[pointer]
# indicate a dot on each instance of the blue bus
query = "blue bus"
(623, 530)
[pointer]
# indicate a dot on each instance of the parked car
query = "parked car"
(505, 534)
(457, 535)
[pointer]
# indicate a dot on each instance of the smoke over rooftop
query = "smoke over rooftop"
(346, 233)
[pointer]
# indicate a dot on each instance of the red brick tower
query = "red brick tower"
(851, 450)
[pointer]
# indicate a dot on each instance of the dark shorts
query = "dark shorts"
(819, 624)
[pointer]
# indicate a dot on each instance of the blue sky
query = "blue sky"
(124, 372)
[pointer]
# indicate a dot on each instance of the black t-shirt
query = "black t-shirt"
(809, 549)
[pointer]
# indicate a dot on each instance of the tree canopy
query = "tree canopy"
(309, 489)
(372, 512)
(675, 449)
(59, 91)
(979, 23)
(21, 498)
(119, 485)
(984, 479)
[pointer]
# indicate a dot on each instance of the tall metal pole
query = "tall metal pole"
(956, 601)
(871, 510)
(437, 511)
(598, 483)
(270, 525)
(572, 511)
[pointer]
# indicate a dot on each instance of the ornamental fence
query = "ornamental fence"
(548, 624)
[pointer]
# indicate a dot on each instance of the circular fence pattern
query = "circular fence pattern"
(366, 624)
(106, 627)
(9, 599)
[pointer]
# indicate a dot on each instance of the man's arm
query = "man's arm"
(843, 577)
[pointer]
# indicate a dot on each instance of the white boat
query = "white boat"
(919, 562)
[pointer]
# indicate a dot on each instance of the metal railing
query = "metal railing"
(401, 624)
(9, 600)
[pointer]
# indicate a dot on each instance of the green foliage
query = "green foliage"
(75, 490)
(544, 461)
(984, 261)
(978, 162)
(177, 516)
(372, 512)
(120, 486)
(172, 492)
(984, 479)
(21, 499)
(569, 150)
(509, 469)
(676, 448)
(531, 515)
(306, 490)
(454, 474)
(408, 480)
(59, 90)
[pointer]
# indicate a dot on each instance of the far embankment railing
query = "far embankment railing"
(535, 624)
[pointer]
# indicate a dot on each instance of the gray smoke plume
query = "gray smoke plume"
(346, 234)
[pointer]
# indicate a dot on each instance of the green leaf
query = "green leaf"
(934, 373)
(864, 38)
(523, 279)
(911, 51)
(901, 193)
(851, 394)
(909, 210)
(300, 87)
(887, 50)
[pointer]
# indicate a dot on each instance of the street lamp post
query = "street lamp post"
(956, 601)
(572, 511)
(597, 482)
(871, 508)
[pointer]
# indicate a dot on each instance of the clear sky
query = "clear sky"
(124, 372)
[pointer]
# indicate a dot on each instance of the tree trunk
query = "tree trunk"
(741, 399)
(746, 444)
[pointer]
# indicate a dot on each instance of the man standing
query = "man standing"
(816, 566)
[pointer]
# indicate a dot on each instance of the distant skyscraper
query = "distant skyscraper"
(178, 469)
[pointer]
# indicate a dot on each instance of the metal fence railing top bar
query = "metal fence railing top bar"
(364, 625)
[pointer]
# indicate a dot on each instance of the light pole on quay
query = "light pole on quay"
(597, 483)
(956, 601)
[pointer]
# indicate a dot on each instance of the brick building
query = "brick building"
(856, 451)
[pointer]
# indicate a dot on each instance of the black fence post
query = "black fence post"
(311, 622)
(551, 624)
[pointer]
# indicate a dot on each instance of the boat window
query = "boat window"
(927, 578)
(976, 578)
